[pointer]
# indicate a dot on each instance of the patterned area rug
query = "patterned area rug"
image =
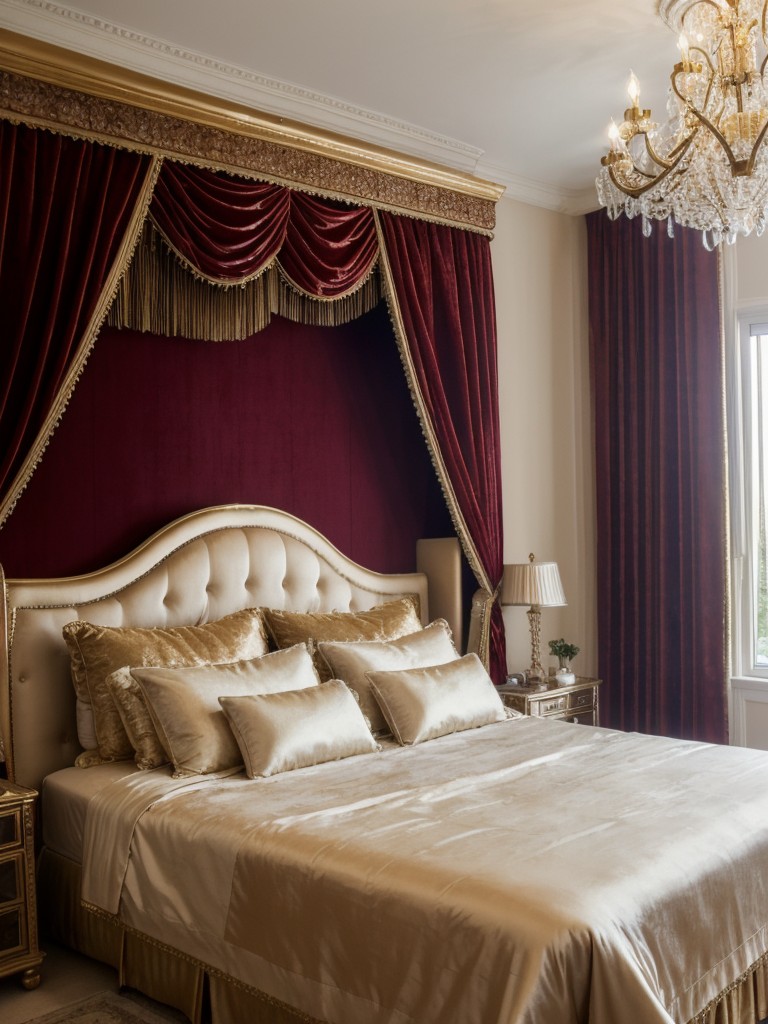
(109, 1008)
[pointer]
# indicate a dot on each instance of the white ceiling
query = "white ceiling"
(518, 91)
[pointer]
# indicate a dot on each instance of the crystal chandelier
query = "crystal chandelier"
(706, 167)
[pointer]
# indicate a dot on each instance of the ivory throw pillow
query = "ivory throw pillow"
(98, 651)
(283, 731)
(352, 661)
(184, 704)
(384, 622)
(422, 704)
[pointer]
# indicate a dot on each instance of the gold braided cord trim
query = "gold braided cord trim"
(159, 294)
(717, 1011)
(360, 283)
(433, 446)
(201, 965)
(122, 261)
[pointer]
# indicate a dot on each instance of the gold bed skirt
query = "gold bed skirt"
(155, 970)
(179, 981)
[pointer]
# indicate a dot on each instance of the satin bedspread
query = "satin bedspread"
(528, 871)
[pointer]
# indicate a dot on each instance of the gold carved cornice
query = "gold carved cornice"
(50, 87)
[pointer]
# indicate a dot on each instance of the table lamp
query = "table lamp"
(538, 585)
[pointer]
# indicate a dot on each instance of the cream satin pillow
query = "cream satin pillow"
(384, 622)
(282, 731)
(422, 704)
(352, 661)
(184, 704)
(98, 651)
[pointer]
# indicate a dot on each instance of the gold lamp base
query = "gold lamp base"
(535, 674)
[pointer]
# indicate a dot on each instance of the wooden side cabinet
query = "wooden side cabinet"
(19, 953)
(578, 702)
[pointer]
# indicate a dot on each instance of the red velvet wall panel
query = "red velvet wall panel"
(317, 421)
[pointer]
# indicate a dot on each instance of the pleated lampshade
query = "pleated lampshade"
(532, 583)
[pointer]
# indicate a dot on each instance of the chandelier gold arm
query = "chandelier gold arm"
(635, 193)
(749, 163)
(660, 160)
(738, 167)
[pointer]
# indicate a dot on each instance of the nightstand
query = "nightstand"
(19, 953)
(576, 703)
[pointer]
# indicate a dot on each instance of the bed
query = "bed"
(506, 870)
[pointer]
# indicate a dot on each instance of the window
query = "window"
(749, 480)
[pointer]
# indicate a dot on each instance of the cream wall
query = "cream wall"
(539, 260)
(752, 270)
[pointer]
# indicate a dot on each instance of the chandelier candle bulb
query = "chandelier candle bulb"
(682, 44)
(633, 88)
(615, 137)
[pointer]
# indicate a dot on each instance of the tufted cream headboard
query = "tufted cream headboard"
(199, 568)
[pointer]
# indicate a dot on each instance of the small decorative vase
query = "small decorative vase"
(564, 676)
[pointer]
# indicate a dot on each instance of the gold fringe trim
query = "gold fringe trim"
(162, 294)
(206, 968)
(122, 261)
(433, 447)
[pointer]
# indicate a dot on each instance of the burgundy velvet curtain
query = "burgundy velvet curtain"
(64, 210)
(659, 442)
(444, 287)
(229, 230)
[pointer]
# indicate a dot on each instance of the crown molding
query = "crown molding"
(573, 202)
(158, 59)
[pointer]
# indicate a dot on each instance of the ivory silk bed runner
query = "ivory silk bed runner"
(525, 872)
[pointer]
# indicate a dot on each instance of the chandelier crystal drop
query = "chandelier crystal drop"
(706, 166)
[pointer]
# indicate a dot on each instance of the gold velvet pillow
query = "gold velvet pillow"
(384, 622)
(136, 719)
(351, 661)
(422, 704)
(98, 651)
(279, 732)
(184, 704)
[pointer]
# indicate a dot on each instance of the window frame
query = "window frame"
(744, 537)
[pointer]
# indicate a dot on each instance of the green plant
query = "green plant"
(563, 650)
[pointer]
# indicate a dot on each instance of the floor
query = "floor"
(67, 978)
